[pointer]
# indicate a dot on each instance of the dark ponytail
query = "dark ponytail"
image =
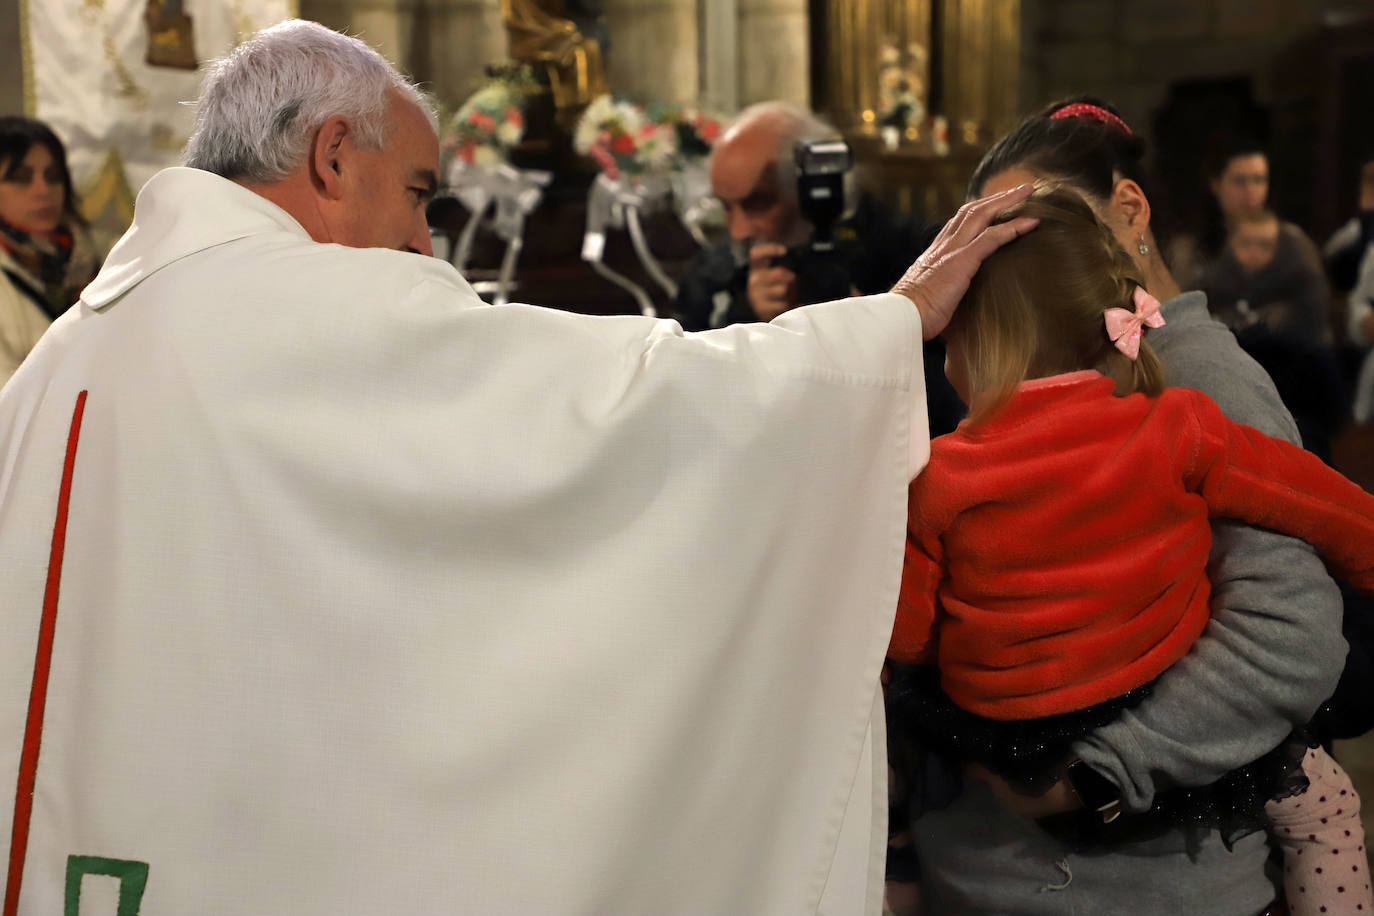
(1089, 153)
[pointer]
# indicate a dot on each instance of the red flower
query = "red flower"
(513, 116)
(468, 151)
(485, 123)
(709, 130)
(624, 144)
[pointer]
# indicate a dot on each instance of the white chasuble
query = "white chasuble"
(343, 592)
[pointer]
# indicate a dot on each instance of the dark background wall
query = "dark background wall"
(1300, 75)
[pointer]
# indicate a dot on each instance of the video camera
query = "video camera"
(821, 265)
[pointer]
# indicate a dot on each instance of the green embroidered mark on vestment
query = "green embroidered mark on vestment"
(133, 878)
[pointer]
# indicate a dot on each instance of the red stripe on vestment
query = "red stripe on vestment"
(38, 694)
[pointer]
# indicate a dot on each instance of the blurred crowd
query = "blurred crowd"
(1303, 311)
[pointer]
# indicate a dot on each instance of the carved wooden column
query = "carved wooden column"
(442, 43)
(720, 55)
(980, 66)
(856, 31)
(774, 51)
(464, 36)
(387, 25)
(654, 50)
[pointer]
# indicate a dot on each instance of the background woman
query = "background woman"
(1287, 292)
(44, 256)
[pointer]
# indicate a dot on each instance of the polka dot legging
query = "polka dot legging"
(1324, 865)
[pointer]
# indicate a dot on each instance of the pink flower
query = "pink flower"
(513, 116)
(468, 151)
(606, 161)
(709, 130)
(485, 123)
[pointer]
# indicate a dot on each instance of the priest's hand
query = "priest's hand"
(940, 276)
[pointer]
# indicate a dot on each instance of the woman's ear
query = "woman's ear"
(1130, 207)
(327, 154)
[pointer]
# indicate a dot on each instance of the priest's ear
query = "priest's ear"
(332, 145)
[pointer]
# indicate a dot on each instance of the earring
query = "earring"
(1141, 247)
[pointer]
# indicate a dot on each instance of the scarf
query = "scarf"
(48, 257)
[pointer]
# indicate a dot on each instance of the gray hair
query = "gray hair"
(793, 123)
(260, 106)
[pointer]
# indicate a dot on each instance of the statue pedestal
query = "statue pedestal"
(919, 181)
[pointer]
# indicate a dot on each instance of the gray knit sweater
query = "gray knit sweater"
(1270, 655)
(1273, 650)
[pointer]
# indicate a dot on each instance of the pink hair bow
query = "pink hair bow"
(1126, 329)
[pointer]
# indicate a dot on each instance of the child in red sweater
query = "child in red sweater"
(1058, 540)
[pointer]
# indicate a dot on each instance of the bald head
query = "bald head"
(751, 145)
(751, 177)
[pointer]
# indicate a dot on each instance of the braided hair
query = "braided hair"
(1036, 306)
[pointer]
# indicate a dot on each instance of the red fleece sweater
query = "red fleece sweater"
(1056, 554)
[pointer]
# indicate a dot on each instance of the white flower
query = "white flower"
(630, 116)
(489, 97)
(508, 134)
(485, 155)
(656, 151)
(589, 125)
(486, 97)
(605, 114)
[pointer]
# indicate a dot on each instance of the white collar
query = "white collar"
(179, 212)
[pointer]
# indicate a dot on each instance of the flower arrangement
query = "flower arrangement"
(490, 123)
(901, 85)
(637, 141)
(697, 132)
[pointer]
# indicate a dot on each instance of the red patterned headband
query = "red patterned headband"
(1086, 112)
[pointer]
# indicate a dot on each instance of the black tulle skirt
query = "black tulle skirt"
(931, 739)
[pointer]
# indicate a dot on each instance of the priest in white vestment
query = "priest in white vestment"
(327, 588)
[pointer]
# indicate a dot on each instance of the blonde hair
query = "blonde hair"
(1035, 308)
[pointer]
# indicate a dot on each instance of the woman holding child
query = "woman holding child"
(1260, 666)
(1255, 268)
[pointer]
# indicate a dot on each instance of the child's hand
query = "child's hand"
(1057, 799)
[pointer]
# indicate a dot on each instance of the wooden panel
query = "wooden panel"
(856, 30)
(980, 53)
(926, 186)
(977, 52)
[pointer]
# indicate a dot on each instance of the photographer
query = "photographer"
(754, 276)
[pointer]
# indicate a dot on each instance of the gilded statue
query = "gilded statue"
(555, 46)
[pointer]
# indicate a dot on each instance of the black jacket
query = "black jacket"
(875, 245)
